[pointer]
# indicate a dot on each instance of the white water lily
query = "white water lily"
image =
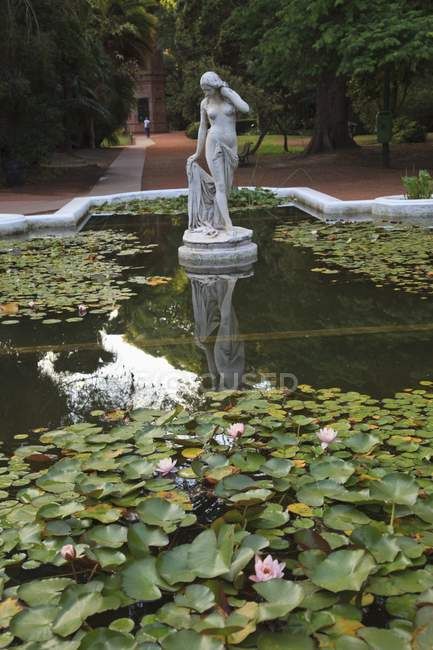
(267, 569)
(326, 435)
(166, 466)
(235, 430)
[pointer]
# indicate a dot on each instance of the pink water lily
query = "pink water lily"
(166, 466)
(235, 430)
(82, 310)
(267, 569)
(326, 435)
(68, 552)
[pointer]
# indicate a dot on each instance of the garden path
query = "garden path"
(348, 175)
(122, 170)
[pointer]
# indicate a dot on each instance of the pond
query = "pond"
(287, 519)
(278, 325)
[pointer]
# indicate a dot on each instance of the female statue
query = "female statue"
(207, 199)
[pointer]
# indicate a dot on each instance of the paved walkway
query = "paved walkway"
(348, 175)
(165, 162)
(124, 174)
(355, 174)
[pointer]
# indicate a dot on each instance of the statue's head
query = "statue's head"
(210, 83)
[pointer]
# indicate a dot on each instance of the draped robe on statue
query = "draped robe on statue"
(203, 211)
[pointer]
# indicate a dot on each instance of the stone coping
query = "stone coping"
(74, 214)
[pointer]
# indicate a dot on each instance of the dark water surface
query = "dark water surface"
(282, 320)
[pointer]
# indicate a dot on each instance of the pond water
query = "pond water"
(279, 324)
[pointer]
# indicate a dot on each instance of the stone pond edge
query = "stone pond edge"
(74, 214)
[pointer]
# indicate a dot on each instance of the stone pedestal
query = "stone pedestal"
(228, 250)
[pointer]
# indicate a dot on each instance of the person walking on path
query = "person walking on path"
(146, 124)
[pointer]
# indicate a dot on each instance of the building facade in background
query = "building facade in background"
(150, 97)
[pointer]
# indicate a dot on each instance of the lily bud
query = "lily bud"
(68, 552)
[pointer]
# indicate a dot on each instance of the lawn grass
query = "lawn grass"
(274, 144)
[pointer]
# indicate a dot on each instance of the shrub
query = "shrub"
(191, 130)
(418, 187)
(406, 130)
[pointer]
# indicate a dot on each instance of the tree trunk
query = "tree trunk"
(331, 131)
(259, 141)
(286, 143)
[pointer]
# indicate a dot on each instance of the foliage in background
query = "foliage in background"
(291, 64)
(418, 103)
(191, 130)
(418, 187)
(67, 72)
(406, 130)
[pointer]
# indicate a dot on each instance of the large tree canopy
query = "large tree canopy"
(290, 55)
(67, 71)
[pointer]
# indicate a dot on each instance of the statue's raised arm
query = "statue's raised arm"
(207, 201)
(233, 97)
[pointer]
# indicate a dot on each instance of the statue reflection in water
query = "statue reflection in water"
(217, 328)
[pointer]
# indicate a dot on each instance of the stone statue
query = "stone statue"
(208, 210)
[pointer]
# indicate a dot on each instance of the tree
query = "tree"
(67, 73)
(28, 119)
(337, 40)
(126, 27)
(389, 42)
(293, 55)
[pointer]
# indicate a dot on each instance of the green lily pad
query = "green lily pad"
(284, 641)
(332, 468)
(395, 488)
(76, 604)
(159, 512)
(112, 536)
(197, 597)
(140, 580)
(107, 640)
(47, 591)
(34, 624)
(141, 537)
(191, 640)
(378, 639)
(344, 517)
(343, 570)
(281, 597)
(124, 625)
(403, 582)
(103, 512)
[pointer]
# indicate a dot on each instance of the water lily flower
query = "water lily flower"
(326, 435)
(82, 310)
(267, 569)
(32, 304)
(68, 552)
(166, 466)
(236, 430)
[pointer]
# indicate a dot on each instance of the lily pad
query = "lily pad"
(343, 570)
